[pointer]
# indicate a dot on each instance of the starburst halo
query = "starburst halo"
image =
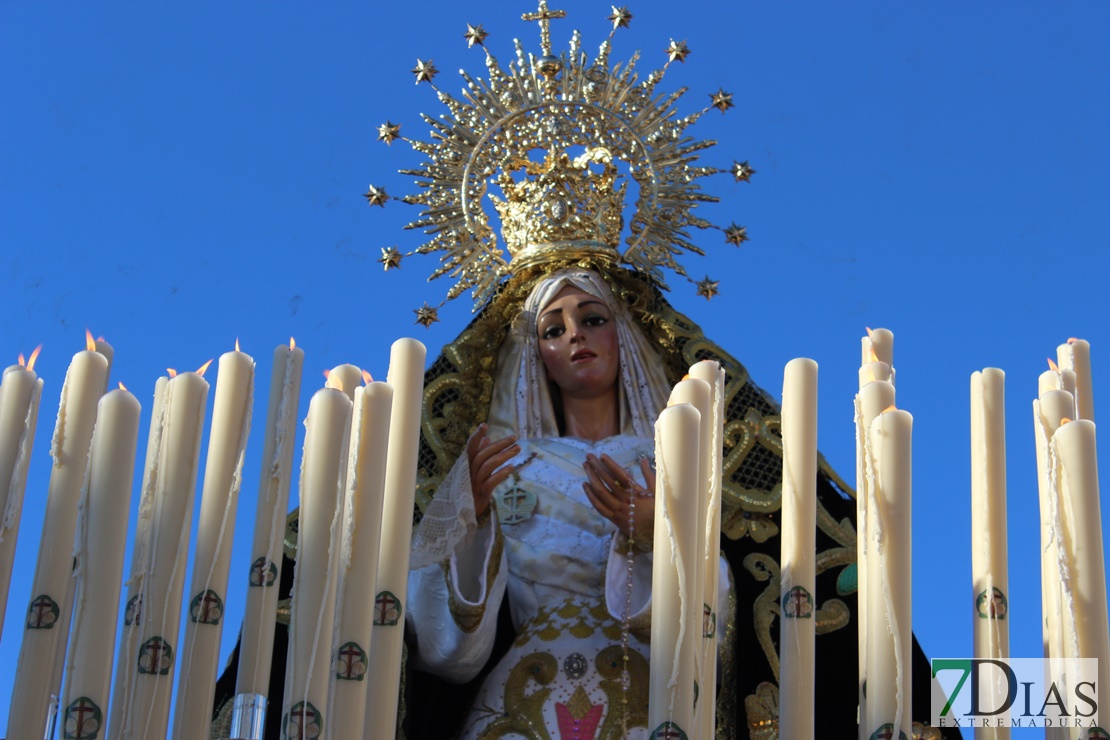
(547, 102)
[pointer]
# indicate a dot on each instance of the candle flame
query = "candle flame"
(203, 367)
(327, 374)
(21, 361)
(292, 344)
(172, 372)
(1064, 420)
(90, 343)
(101, 338)
(236, 344)
(1073, 340)
(34, 356)
(367, 377)
(122, 387)
(1052, 366)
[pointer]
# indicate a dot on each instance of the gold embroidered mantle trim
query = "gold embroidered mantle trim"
(469, 616)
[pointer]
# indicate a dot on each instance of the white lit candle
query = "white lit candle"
(878, 345)
(99, 569)
(345, 378)
(711, 372)
(365, 489)
(227, 445)
(989, 573)
(699, 394)
(1074, 443)
(256, 646)
(1075, 356)
(799, 550)
(20, 392)
(406, 377)
(675, 616)
(874, 397)
(126, 666)
(46, 628)
(311, 625)
(174, 479)
(1049, 411)
(889, 597)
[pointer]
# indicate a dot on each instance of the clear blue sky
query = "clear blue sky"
(174, 177)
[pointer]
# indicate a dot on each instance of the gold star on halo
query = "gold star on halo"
(677, 51)
(424, 71)
(390, 259)
(620, 17)
(475, 35)
(736, 234)
(426, 315)
(376, 196)
(708, 288)
(389, 132)
(742, 171)
(721, 100)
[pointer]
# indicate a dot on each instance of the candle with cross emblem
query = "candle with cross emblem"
(365, 488)
(311, 625)
(798, 579)
(711, 372)
(47, 626)
(129, 646)
(675, 617)
(20, 392)
(406, 377)
(889, 595)
(990, 581)
(146, 710)
(255, 649)
(227, 446)
(1075, 356)
(99, 568)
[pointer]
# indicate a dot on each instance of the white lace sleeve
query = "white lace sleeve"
(449, 517)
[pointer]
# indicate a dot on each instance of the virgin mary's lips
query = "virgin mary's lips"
(582, 354)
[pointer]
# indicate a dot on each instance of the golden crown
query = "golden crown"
(565, 210)
(560, 208)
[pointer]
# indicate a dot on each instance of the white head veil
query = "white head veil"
(522, 404)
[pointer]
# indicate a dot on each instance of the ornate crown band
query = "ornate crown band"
(563, 206)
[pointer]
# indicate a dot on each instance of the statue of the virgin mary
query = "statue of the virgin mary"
(529, 607)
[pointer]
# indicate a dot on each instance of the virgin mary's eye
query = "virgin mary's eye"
(552, 332)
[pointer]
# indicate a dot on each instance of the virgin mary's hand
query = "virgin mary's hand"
(620, 499)
(487, 465)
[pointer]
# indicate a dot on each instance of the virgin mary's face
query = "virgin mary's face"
(578, 343)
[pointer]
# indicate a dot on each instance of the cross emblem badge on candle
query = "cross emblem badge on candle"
(350, 662)
(387, 609)
(43, 613)
(155, 657)
(993, 606)
(83, 720)
(133, 612)
(304, 722)
(263, 573)
(886, 732)
(668, 731)
(206, 608)
(797, 603)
